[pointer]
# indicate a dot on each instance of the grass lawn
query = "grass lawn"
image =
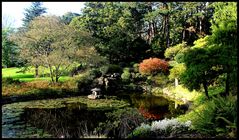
(28, 75)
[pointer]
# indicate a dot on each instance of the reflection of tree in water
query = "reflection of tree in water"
(151, 107)
(64, 122)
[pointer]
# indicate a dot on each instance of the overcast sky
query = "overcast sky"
(12, 12)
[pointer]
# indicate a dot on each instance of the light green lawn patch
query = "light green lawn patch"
(28, 75)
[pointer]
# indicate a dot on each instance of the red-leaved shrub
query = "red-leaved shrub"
(152, 66)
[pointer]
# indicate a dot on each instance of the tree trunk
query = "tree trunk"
(36, 71)
(205, 88)
(57, 78)
(51, 74)
(227, 84)
(176, 82)
(167, 26)
(184, 31)
(167, 30)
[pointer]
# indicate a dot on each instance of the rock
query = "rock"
(95, 93)
(91, 96)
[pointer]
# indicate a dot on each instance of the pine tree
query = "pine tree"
(33, 11)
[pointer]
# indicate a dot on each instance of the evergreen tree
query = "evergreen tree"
(33, 11)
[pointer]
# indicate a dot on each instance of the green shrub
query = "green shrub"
(125, 76)
(121, 122)
(95, 73)
(136, 67)
(10, 80)
(85, 81)
(141, 131)
(160, 80)
(161, 128)
(219, 117)
(111, 69)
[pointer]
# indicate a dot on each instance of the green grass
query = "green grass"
(28, 75)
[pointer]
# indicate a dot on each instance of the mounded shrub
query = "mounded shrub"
(126, 75)
(10, 80)
(153, 66)
(111, 69)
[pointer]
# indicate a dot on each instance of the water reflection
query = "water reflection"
(73, 119)
(67, 122)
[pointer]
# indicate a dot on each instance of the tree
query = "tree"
(175, 54)
(67, 17)
(49, 43)
(112, 25)
(214, 55)
(32, 12)
(153, 66)
(9, 49)
(223, 40)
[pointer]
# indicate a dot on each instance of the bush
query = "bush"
(161, 128)
(95, 73)
(111, 69)
(219, 117)
(84, 83)
(153, 66)
(126, 75)
(160, 80)
(121, 122)
(10, 80)
(136, 67)
(141, 132)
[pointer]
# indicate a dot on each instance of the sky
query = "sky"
(12, 12)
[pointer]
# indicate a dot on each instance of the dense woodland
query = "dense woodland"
(157, 45)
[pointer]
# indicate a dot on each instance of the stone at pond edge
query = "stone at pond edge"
(92, 96)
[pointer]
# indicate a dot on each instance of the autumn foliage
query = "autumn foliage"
(153, 65)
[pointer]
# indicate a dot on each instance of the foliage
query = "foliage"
(152, 66)
(111, 68)
(121, 122)
(162, 128)
(160, 80)
(10, 51)
(46, 42)
(141, 132)
(87, 54)
(67, 17)
(216, 55)
(126, 76)
(176, 71)
(173, 51)
(95, 73)
(9, 80)
(84, 82)
(32, 12)
(218, 117)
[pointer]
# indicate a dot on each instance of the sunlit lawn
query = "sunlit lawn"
(27, 76)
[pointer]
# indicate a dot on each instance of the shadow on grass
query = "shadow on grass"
(39, 95)
(20, 76)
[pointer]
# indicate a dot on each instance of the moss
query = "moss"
(61, 102)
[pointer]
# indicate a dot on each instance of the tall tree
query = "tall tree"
(9, 49)
(32, 12)
(49, 43)
(67, 17)
(214, 55)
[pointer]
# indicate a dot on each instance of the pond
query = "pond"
(75, 117)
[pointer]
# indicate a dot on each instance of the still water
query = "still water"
(74, 119)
